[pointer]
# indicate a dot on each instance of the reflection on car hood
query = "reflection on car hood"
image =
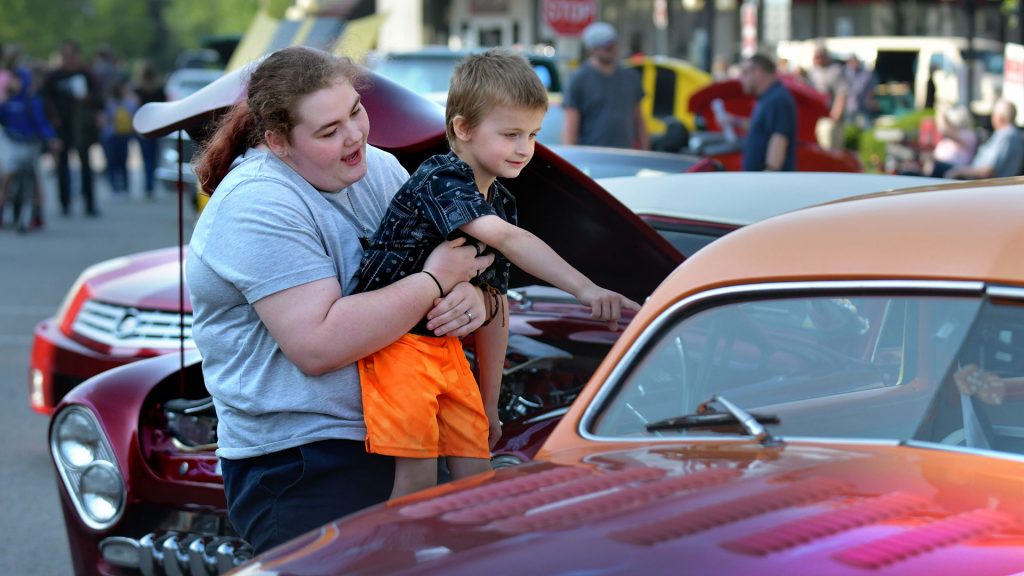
(717, 508)
(147, 280)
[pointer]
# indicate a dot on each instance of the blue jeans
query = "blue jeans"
(147, 146)
(274, 498)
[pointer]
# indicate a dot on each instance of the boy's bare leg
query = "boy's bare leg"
(461, 467)
(413, 475)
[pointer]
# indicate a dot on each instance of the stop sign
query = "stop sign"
(568, 17)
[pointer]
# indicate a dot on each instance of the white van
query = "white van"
(903, 65)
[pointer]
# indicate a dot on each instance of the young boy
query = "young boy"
(420, 400)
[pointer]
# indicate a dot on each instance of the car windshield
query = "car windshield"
(991, 62)
(940, 369)
(421, 75)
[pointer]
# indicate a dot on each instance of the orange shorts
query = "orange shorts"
(420, 400)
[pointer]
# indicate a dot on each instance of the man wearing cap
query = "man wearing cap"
(602, 105)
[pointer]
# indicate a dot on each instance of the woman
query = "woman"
(271, 270)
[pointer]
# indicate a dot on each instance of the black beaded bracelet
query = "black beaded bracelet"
(436, 281)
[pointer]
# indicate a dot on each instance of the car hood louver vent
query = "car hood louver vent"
(701, 519)
(929, 537)
(571, 515)
(559, 493)
(805, 530)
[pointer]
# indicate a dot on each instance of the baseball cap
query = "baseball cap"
(597, 35)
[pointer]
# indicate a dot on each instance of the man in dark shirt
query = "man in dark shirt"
(770, 143)
(74, 99)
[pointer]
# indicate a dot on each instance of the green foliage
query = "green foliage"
(872, 150)
(189, 21)
(133, 29)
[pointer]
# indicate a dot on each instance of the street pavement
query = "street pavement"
(36, 270)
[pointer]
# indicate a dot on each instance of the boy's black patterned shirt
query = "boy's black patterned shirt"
(439, 197)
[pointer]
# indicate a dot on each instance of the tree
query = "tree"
(156, 29)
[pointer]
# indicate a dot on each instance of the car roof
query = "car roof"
(742, 198)
(959, 231)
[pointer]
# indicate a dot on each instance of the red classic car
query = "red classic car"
(838, 390)
(133, 446)
(811, 107)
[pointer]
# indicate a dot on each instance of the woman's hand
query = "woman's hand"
(456, 261)
(449, 315)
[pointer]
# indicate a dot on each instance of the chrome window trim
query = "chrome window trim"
(760, 290)
(921, 445)
(1009, 292)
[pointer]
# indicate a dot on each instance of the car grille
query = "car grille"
(127, 327)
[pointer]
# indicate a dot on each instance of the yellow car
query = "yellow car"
(668, 84)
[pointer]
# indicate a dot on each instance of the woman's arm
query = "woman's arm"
(320, 331)
(491, 344)
(535, 257)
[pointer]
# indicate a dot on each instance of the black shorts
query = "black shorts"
(274, 498)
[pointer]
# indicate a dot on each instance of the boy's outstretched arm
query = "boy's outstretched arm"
(491, 343)
(534, 256)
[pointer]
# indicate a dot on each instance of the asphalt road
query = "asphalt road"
(36, 270)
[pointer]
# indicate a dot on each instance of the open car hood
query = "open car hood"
(811, 105)
(587, 226)
(722, 508)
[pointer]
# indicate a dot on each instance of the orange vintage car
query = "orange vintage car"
(836, 390)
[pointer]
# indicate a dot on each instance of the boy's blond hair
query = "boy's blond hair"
(481, 82)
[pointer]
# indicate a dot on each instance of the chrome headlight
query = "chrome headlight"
(87, 467)
(102, 491)
(77, 438)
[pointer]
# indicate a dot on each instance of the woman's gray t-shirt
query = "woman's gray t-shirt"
(266, 230)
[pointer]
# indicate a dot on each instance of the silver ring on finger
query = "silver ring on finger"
(469, 315)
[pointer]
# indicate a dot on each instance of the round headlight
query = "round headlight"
(77, 439)
(102, 491)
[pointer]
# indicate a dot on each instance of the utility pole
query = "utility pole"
(709, 26)
(1020, 21)
(969, 6)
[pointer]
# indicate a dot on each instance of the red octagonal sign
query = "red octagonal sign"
(568, 17)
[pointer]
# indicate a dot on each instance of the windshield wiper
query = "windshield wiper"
(708, 417)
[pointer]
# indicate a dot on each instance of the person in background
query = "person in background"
(5, 148)
(74, 100)
(1002, 154)
(861, 106)
(148, 87)
(117, 132)
(957, 141)
(271, 273)
(826, 76)
(28, 131)
(602, 104)
(770, 143)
